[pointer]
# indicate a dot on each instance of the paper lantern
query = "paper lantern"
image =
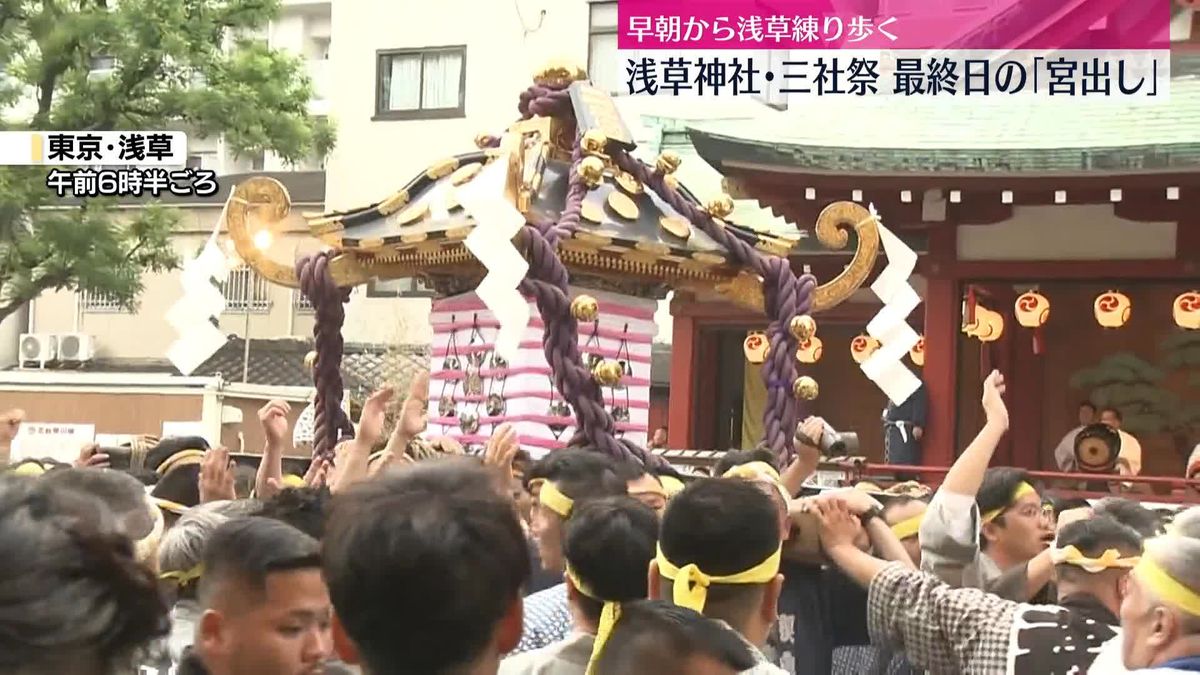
(1032, 309)
(1112, 309)
(1186, 310)
(756, 347)
(809, 351)
(917, 353)
(862, 347)
(988, 325)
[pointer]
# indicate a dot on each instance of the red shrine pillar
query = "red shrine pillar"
(682, 394)
(943, 302)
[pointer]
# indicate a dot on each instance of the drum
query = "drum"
(1097, 447)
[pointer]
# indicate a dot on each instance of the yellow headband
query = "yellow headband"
(691, 584)
(909, 527)
(609, 615)
(182, 577)
(553, 498)
(754, 470)
(31, 469)
(169, 506)
(181, 458)
(671, 485)
(1022, 490)
(1166, 587)
(292, 480)
(1110, 559)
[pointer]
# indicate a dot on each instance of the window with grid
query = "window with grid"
(399, 288)
(301, 303)
(606, 67)
(246, 291)
(421, 83)
(100, 302)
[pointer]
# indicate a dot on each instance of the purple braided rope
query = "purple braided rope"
(786, 296)
(316, 283)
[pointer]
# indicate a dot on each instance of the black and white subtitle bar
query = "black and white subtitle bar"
(93, 148)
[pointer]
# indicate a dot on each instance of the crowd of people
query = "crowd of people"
(405, 556)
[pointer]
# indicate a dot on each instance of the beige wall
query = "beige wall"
(252, 435)
(112, 413)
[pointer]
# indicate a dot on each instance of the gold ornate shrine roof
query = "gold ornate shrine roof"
(628, 238)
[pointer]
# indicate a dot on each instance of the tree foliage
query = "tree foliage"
(193, 65)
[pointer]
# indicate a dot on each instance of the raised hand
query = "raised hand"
(839, 527)
(993, 400)
(90, 456)
(414, 417)
(273, 417)
(216, 476)
(501, 448)
(374, 412)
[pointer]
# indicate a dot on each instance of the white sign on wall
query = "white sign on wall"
(41, 440)
(170, 429)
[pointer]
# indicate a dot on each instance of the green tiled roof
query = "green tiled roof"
(901, 135)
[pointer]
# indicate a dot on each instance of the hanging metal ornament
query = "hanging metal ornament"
(473, 386)
(468, 422)
(495, 405)
(585, 309)
(593, 360)
(452, 363)
(499, 363)
(561, 410)
(608, 373)
(446, 406)
(620, 413)
(477, 359)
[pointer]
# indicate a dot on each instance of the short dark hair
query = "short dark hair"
(124, 495)
(609, 544)
(654, 637)
(1087, 404)
(734, 458)
(1060, 504)
(896, 502)
(248, 550)
(1093, 536)
(723, 527)
(181, 484)
(305, 508)
(77, 590)
(1131, 514)
(1115, 411)
(579, 474)
(996, 492)
(423, 563)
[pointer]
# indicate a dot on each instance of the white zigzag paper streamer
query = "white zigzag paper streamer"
(191, 316)
(496, 222)
(890, 325)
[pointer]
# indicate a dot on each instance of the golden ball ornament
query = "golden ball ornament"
(585, 308)
(594, 142)
(608, 373)
(591, 170)
(668, 162)
(805, 388)
(720, 207)
(802, 327)
(310, 360)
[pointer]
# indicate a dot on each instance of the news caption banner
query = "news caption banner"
(91, 164)
(830, 48)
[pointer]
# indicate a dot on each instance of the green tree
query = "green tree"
(177, 64)
(1133, 386)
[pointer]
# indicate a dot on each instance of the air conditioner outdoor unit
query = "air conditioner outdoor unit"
(38, 348)
(76, 347)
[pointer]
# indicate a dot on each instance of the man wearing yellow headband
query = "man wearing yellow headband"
(966, 630)
(719, 554)
(608, 547)
(984, 522)
(1160, 617)
(557, 483)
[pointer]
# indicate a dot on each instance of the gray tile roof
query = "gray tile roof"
(280, 362)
